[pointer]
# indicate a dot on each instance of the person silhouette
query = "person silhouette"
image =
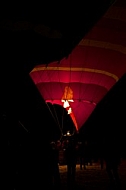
(71, 160)
(54, 165)
(112, 158)
(81, 154)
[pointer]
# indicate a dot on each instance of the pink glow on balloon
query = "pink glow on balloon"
(91, 70)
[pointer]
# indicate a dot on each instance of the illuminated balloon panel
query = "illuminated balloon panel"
(90, 70)
(88, 86)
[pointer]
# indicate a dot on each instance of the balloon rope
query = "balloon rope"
(23, 126)
(55, 118)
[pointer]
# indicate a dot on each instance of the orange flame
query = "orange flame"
(66, 98)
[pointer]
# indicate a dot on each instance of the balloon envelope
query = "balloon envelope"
(92, 68)
(87, 85)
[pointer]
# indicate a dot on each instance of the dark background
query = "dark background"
(26, 124)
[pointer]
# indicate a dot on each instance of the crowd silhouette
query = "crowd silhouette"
(74, 152)
(77, 152)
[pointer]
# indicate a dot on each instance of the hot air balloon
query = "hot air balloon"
(80, 81)
(73, 84)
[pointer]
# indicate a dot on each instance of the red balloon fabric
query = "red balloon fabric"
(92, 68)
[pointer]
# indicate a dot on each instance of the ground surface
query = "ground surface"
(93, 178)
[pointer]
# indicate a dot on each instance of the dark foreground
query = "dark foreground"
(93, 178)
